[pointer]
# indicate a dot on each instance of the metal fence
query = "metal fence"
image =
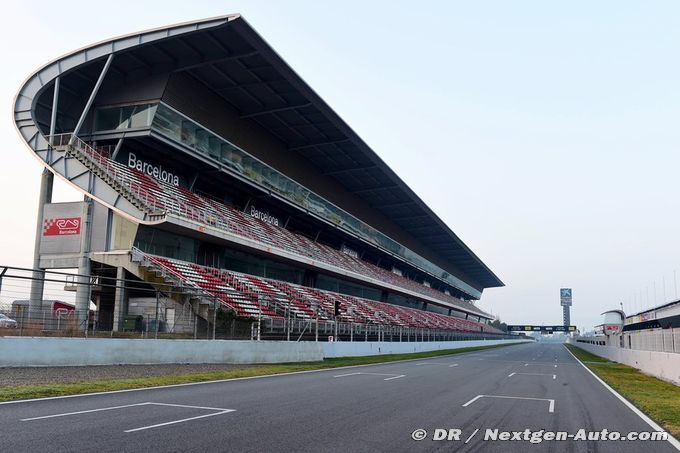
(656, 340)
(159, 310)
(659, 340)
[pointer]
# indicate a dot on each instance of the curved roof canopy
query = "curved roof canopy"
(228, 56)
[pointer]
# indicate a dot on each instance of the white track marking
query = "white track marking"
(438, 363)
(219, 411)
(392, 376)
(66, 414)
(554, 376)
(348, 374)
(551, 405)
(381, 374)
(192, 407)
(226, 411)
(472, 400)
(672, 440)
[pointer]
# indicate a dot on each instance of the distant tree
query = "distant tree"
(498, 324)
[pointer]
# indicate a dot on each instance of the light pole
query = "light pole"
(288, 321)
(315, 307)
(214, 316)
(259, 316)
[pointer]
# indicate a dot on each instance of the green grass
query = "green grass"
(658, 399)
(585, 356)
(41, 391)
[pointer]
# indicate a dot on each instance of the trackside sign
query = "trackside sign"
(61, 227)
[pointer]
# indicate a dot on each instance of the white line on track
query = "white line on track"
(174, 422)
(348, 374)
(191, 407)
(219, 411)
(392, 376)
(66, 414)
(551, 405)
(450, 365)
(672, 440)
(554, 376)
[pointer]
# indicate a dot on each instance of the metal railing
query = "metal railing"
(87, 154)
(173, 309)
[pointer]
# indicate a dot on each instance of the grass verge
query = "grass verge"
(659, 399)
(42, 391)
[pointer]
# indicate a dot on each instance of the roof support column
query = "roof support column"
(93, 95)
(116, 150)
(45, 197)
(53, 117)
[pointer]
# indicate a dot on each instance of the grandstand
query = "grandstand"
(209, 165)
(662, 317)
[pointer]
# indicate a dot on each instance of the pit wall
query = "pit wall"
(34, 351)
(38, 351)
(664, 365)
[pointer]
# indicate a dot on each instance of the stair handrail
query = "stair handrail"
(75, 145)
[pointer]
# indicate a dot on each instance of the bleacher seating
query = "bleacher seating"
(161, 196)
(246, 295)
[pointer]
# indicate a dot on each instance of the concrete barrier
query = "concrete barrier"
(664, 365)
(35, 351)
(39, 351)
(358, 348)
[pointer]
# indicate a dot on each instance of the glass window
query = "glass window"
(169, 123)
(188, 133)
(202, 145)
(124, 117)
(109, 119)
(141, 115)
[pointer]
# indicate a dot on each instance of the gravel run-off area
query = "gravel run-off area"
(10, 377)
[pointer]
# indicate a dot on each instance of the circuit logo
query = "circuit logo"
(61, 227)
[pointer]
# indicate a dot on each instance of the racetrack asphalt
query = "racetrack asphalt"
(356, 409)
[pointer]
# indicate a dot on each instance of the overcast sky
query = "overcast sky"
(545, 134)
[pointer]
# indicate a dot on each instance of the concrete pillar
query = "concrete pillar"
(119, 308)
(84, 289)
(37, 284)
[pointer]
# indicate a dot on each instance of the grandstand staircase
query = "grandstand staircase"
(201, 300)
(93, 161)
(202, 303)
